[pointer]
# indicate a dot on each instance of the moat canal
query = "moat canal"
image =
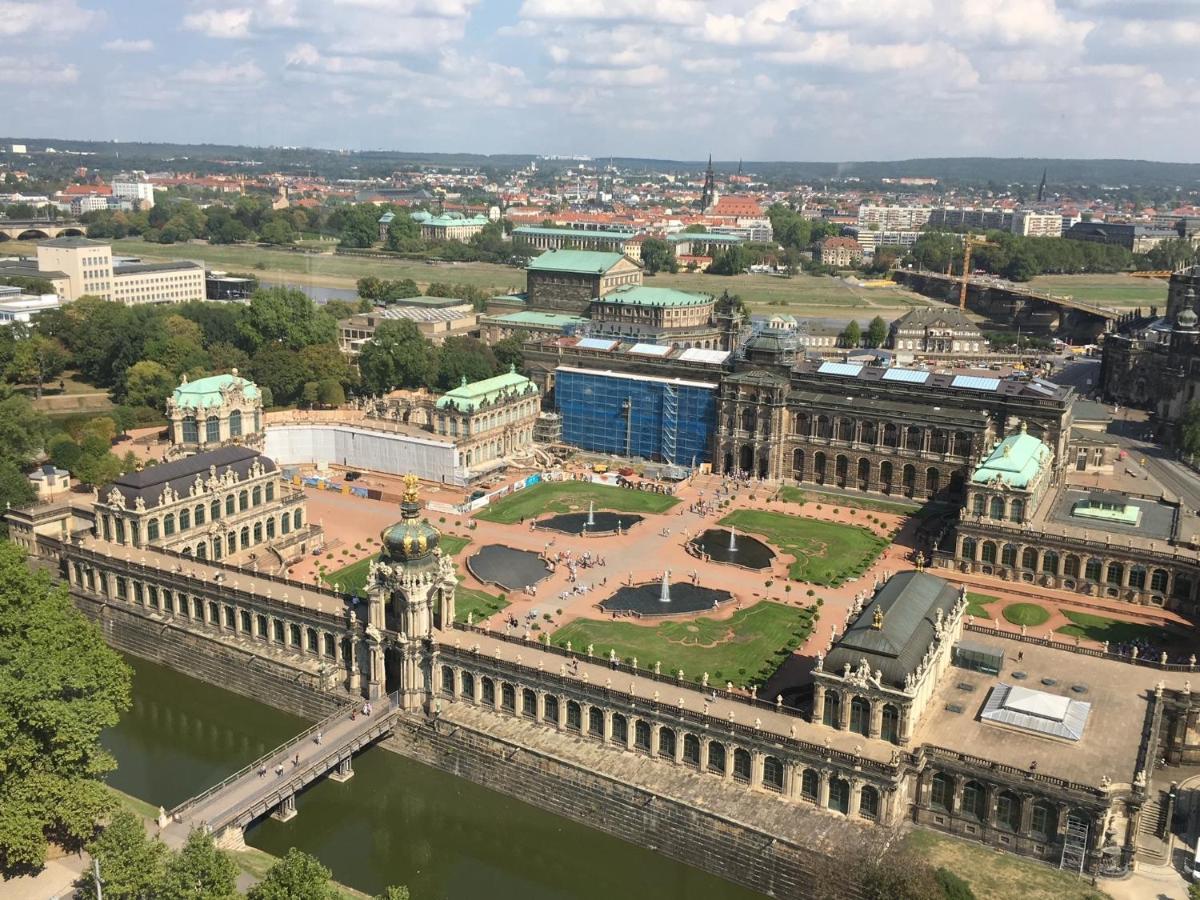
(396, 821)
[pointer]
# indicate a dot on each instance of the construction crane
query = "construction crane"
(970, 242)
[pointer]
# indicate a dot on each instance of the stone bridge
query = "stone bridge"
(1012, 306)
(39, 229)
(269, 785)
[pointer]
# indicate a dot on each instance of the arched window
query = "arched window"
(191, 431)
(716, 757)
(620, 729)
(891, 435)
(1159, 580)
(691, 750)
(974, 801)
(641, 735)
(1093, 570)
(488, 691)
(868, 803)
(978, 503)
(824, 427)
(596, 722)
(270, 529)
(810, 785)
(870, 432)
(666, 743)
(798, 464)
(152, 530)
(1116, 572)
(168, 524)
(296, 519)
(468, 686)
(1050, 562)
(1016, 510)
(864, 473)
(185, 519)
(256, 496)
(819, 467)
(1029, 558)
(1008, 555)
(202, 550)
(741, 765)
(890, 726)
(968, 548)
(199, 513)
(230, 507)
(529, 703)
(832, 714)
(800, 425)
(860, 715)
(772, 774)
(245, 537)
(235, 423)
(243, 501)
(913, 437)
(549, 708)
(1071, 565)
(508, 697)
(270, 491)
(997, 510)
(258, 532)
(231, 542)
(839, 795)
(285, 523)
(1008, 811)
(989, 552)
(214, 510)
(941, 792)
(212, 430)
(448, 680)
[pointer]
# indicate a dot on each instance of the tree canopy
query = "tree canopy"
(60, 687)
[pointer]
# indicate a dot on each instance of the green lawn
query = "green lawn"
(792, 494)
(1107, 290)
(572, 496)
(353, 578)
(748, 646)
(801, 293)
(998, 876)
(480, 603)
(1028, 614)
(977, 605)
(825, 552)
(1100, 629)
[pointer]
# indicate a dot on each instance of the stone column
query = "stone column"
(562, 714)
(704, 742)
(607, 725)
(856, 785)
(818, 710)
(823, 788)
(791, 780)
(539, 709)
(680, 737)
(654, 735)
(630, 731)
(728, 762)
(756, 769)
(1026, 813)
(844, 711)
(875, 728)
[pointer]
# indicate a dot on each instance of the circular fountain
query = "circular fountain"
(508, 567)
(663, 597)
(727, 546)
(590, 522)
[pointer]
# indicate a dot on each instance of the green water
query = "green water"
(395, 821)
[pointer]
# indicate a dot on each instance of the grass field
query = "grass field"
(750, 645)
(977, 605)
(793, 494)
(1100, 629)
(825, 552)
(998, 876)
(1028, 614)
(1107, 290)
(572, 496)
(479, 603)
(804, 294)
(353, 578)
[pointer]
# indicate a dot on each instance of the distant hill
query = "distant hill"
(980, 171)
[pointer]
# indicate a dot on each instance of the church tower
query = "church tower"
(410, 597)
(709, 195)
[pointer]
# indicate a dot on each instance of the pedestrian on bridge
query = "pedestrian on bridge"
(279, 771)
(319, 737)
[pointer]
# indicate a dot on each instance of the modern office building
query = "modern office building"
(664, 419)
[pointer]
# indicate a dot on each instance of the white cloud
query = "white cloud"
(246, 74)
(220, 23)
(124, 45)
(14, 70)
(50, 17)
(679, 12)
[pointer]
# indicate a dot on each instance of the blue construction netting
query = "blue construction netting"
(631, 416)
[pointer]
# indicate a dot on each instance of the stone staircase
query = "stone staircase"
(1153, 831)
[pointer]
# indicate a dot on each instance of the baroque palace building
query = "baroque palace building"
(215, 411)
(893, 733)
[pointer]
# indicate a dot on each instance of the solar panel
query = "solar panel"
(650, 349)
(596, 344)
(975, 383)
(912, 376)
(845, 369)
(699, 354)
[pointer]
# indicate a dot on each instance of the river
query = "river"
(319, 294)
(396, 821)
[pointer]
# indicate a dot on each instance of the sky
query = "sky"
(674, 79)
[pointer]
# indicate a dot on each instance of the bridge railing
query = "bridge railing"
(271, 755)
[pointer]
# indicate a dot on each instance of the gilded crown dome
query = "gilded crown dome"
(410, 538)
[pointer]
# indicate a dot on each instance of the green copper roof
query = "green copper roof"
(574, 232)
(1015, 460)
(207, 391)
(530, 317)
(449, 220)
(468, 397)
(640, 295)
(584, 262)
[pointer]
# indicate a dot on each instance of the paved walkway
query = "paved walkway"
(56, 880)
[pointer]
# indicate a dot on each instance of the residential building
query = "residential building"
(1029, 223)
(840, 252)
(871, 240)
(986, 218)
(139, 192)
(893, 218)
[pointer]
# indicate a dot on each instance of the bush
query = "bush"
(811, 592)
(955, 888)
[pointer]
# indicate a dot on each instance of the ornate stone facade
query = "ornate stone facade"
(215, 411)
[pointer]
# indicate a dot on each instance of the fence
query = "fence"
(1189, 666)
